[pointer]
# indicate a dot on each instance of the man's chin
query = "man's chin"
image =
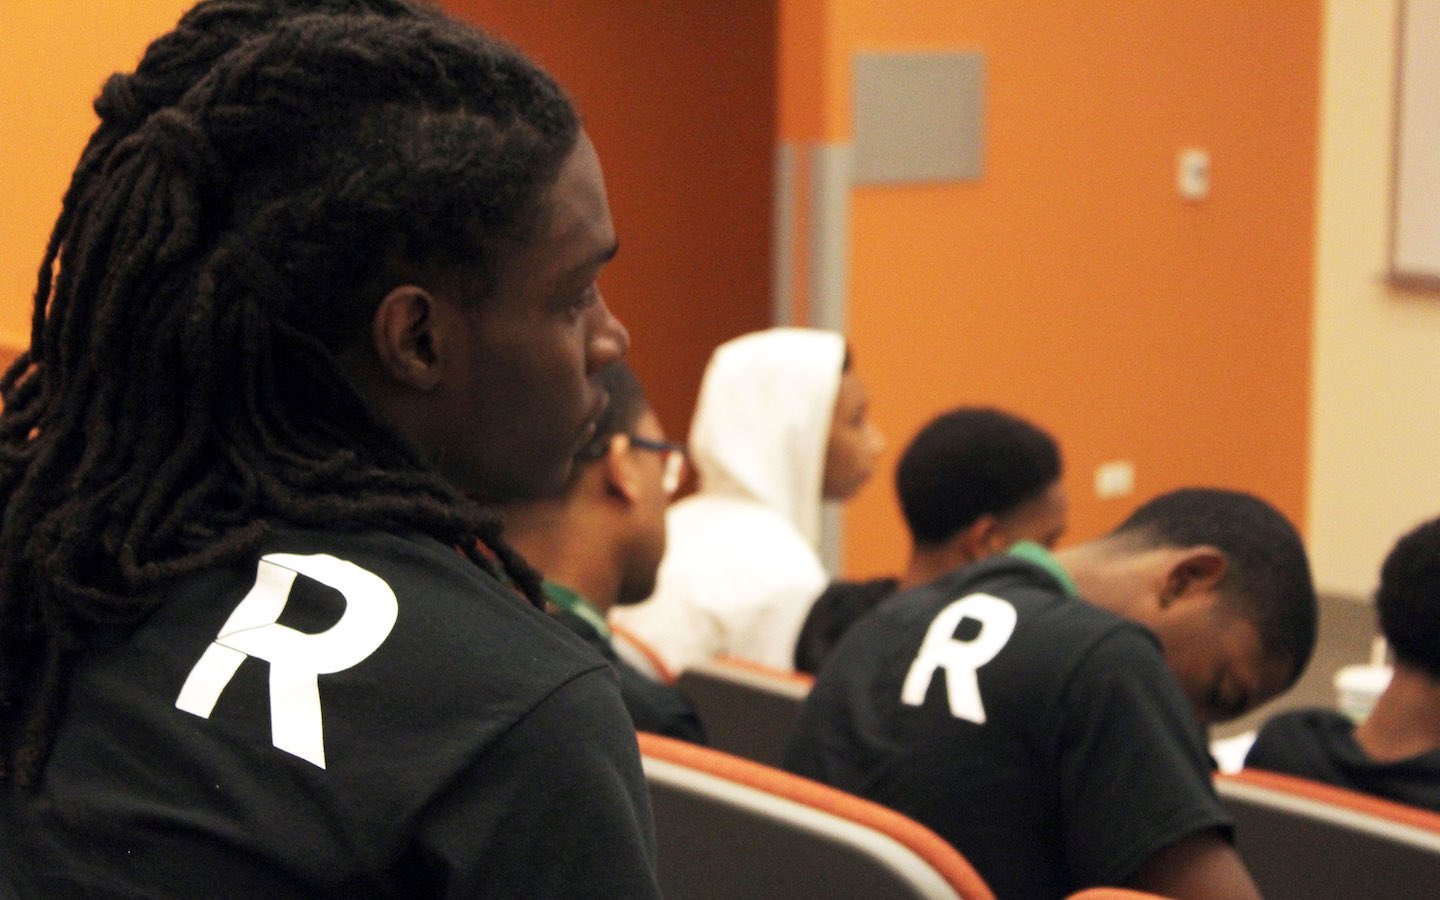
(532, 486)
(556, 484)
(634, 594)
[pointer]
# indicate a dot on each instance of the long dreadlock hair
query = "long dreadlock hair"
(228, 229)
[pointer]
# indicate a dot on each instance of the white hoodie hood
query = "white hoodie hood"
(763, 418)
(741, 569)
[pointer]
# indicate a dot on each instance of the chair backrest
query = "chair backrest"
(747, 709)
(1301, 838)
(640, 655)
(732, 828)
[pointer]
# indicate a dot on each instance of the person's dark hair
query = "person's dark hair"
(231, 224)
(626, 405)
(1268, 576)
(968, 463)
(1408, 602)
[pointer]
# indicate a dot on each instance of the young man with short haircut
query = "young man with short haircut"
(1044, 713)
(781, 427)
(974, 481)
(1395, 752)
(599, 541)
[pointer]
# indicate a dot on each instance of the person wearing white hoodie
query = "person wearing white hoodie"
(781, 425)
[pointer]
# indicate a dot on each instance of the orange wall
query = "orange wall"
(1071, 283)
(681, 106)
(680, 101)
(804, 59)
(51, 68)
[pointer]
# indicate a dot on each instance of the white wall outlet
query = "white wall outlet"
(1115, 478)
(1192, 173)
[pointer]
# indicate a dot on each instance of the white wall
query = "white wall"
(1375, 414)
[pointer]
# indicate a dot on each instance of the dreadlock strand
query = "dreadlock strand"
(186, 505)
(520, 572)
(21, 392)
(163, 485)
(85, 277)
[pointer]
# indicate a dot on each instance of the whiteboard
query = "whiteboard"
(1415, 236)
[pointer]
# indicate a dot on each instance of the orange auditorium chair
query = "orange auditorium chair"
(748, 709)
(732, 828)
(1302, 838)
(629, 647)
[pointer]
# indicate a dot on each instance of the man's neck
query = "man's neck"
(1110, 573)
(928, 564)
(1406, 719)
(569, 554)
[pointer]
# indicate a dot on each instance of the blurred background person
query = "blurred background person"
(1395, 752)
(1045, 713)
(971, 483)
(781, 425)
(599, 541)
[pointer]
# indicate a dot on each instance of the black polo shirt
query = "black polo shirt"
(344, 716)
(1042, 736)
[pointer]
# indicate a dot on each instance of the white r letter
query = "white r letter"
(960, 659)
(296, 658)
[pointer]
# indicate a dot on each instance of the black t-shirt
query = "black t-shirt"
(1319, 744)
(348, 716)
(840, 606)
(654, 707)
(1040, 735)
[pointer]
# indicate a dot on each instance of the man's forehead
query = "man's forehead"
(648, 425)
(1262, 674)
(578, 206)
(1275, 674)
(852, 391)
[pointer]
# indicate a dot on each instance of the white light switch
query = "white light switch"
(1192, 173)
(1115, 478)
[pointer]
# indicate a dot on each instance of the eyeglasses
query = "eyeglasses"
(674, 456)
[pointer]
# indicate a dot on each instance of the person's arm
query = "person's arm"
(1200, 867)
(558, 807)
(1137, 791)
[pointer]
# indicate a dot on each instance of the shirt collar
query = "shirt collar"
(571, 602)
(1033, 553)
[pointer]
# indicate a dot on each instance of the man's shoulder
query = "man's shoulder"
(864, 592)
(1017, 627)
(1303, 738)
(1040, 602)
(378, 602)
(330, 687)
(410, 564)
(1310, 720)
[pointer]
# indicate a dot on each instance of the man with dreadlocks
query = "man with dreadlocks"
(322, 292)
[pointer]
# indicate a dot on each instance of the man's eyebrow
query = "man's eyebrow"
(1239, 700)
(594, 261)
(602, 256)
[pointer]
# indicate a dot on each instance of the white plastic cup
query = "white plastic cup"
(1358, 687)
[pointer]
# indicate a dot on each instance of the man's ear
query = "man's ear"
(621, 476)
(975, 541)
(406, 331)
(1195, 569)
(993, 536)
